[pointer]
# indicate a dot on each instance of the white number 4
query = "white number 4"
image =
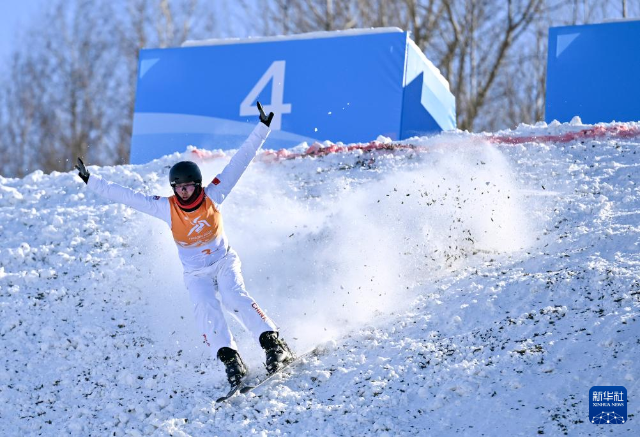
(275, 72)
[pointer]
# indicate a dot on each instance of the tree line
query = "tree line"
(68, 88)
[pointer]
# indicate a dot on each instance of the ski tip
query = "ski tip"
(231, 393)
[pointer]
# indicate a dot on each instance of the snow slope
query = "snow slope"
(468, 284)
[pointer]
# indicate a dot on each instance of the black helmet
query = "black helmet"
(185, 171)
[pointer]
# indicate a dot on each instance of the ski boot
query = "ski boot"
(234, 366)
(277, 352)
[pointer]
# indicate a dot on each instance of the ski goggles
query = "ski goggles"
(187, 186)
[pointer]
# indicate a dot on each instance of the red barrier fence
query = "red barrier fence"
(316, 149)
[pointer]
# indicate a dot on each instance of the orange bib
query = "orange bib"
(196, 228)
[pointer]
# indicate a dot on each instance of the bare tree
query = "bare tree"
(17, 118)
(291, 16)
(422, 19)
(60, 93)
(72, 92)
(475, 46)
(150, 24)
(524, 89)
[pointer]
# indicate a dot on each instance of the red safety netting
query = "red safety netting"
(317, 149)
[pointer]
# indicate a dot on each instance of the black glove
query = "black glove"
(264, 118)
(82, 171)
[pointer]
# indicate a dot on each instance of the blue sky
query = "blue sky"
(14, 14)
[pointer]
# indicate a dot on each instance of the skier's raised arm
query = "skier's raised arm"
(223, 183)
(155, 206)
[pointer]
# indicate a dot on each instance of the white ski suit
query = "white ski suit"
(210, 265)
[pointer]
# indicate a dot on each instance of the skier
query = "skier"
(209, 263)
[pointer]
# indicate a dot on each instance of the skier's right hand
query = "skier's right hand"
(82, 171)
(266, 119)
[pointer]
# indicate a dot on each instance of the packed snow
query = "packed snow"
(474, 284)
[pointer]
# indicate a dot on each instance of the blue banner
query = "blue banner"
(337, 86)
(592, 72)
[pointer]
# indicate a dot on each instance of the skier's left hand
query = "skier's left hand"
(82, 171)
(264, 118)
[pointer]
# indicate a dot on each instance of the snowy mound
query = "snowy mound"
(456, 284)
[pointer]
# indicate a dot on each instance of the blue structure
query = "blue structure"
(348, 86)
(593, 72)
